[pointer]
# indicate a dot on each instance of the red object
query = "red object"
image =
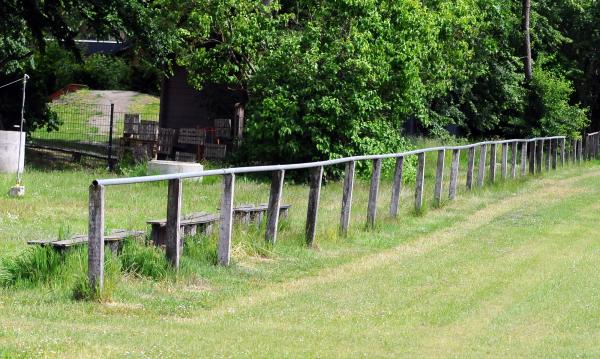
(65, 90)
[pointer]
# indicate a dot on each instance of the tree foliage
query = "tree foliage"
(333, 78)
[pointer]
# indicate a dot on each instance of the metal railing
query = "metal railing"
(532, 157)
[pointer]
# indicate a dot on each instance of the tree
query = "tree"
(29, 25)
(527, 58)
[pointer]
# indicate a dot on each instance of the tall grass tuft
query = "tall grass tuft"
(76, 268)
(144, 260)
(34, 265)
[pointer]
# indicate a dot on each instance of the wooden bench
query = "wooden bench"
(113, 240)
(249, 213)
(190, 225)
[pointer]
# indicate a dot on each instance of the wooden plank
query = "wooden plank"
(454, 174)
(347, 197)
(514, 149)
(470, 167)
(226, 220)
(523, 159)
(397, 187)
(481, 172)
(96, 237)
(274, 206)
(580, 151)
(173, 231)
(532, 154)
(504, 161)
(374, 193)
(314, 194)
(439, 178)
(419, 182)
(493, 162)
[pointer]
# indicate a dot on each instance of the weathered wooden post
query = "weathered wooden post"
(586, 150)
(226, 220)
(549, 156)
(524, 159)
(470, 167)
(347, 197)
(562, 152)
(174, 222)
(580, 151)
(439, 178)
(96, 238)
(504, 163)
(274, 204)
(493, 162)
(314, 194)
(539, 147)
(481, 171)
(532, 157)
(397, 187)
(454, 174)
(373, 193)
(513, 164)
(420, 181)
(555, 154)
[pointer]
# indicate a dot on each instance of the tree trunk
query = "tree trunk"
(527, 40)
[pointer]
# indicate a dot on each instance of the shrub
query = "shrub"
(552, 93)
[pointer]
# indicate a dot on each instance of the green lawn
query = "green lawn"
(507, 270)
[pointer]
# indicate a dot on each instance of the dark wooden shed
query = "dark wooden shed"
(182, 106)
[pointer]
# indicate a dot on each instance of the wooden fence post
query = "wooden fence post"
(493, 162)
(347, 197)
(316, 176)
(513, 159)
(562, 152)
(586, 150)
(504, 163)
(549, 156)
(470, 167)
(574, 151)
(532, 157)
(274, 204)
(555, 154)
(96, 238)
(454, 174)
(419, 182)
(539, 147)
(226, 220)
(524, 159)
(439, 178)
(174, 222)
(580, 151)
(397, 186)
(374, 193)
(481, 171)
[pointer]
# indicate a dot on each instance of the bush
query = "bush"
(103, 72)
(551, 95)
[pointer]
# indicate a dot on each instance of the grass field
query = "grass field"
(507, 270)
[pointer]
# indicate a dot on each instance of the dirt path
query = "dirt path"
(121, 100)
